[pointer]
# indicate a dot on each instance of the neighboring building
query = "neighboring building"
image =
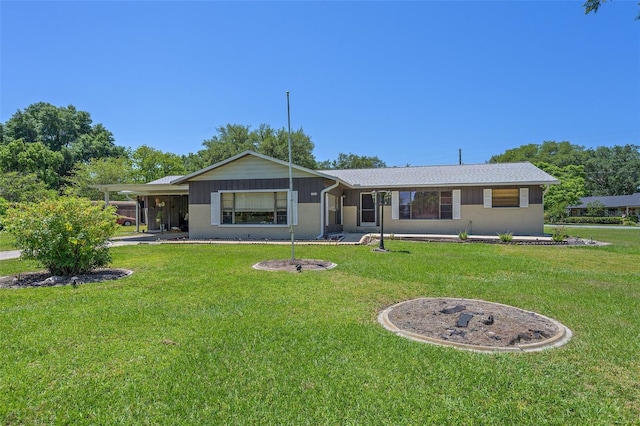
(614, 205)
(247, 196)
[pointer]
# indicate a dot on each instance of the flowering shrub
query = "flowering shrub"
(67, 235)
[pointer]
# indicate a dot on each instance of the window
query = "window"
(367, 209)
(254, 208)
(425, 205)
(506, 197)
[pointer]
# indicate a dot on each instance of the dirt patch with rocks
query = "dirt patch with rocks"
(296, 265)
(46, 279)
(474, 324)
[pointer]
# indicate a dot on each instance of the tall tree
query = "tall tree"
(63, 130)
(613, 170)
(353, 161)
(560, 154)
(24, 188)
(567, 193)
(100, 171)
(22, 157)
(276, 144)
(233, 139)
(150, 164)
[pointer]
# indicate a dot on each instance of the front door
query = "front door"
(368, 212)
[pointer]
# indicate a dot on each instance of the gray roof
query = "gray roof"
(459, 175)
(611, 201)
(163, 180)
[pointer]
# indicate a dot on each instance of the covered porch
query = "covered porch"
(159, 204)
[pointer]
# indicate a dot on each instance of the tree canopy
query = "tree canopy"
(48, 141)
(560, 154)
(352, 161)
(233, 139)
(594, 5)
(613, 170)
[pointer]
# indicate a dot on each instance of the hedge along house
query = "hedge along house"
(247, 197)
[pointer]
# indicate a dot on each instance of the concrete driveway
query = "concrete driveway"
(11, 254)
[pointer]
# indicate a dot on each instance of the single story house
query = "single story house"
(247, 196)
(614, 205)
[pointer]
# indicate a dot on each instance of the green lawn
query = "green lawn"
(196, 336)
(129, 230)
(6, 241)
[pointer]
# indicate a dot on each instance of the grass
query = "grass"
(6, 241)
(196, 336)
(129, 230)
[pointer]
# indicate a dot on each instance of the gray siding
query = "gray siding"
(308, 188)
(474, 195)
(469, 195)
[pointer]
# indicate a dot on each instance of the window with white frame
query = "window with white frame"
(425, 205)
(250, 208)
(506, 197)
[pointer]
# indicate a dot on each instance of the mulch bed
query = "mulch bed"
(45, 279)
(297, 265)
(470, 323)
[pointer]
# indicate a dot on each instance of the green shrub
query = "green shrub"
(463, 235)
(559, 234)
(66, 235)
(4, 205)
(606, 220)
(506, 237)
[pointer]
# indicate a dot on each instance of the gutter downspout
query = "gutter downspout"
(322, 193)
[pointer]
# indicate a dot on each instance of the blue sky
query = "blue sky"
(409, 82)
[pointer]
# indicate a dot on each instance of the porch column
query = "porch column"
(137, 213)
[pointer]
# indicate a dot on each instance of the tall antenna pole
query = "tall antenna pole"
(290, 209)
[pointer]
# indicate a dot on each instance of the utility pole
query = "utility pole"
(290, 207)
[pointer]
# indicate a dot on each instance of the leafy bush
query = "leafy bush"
(463, 235)
(506, 237)
(4, 205)
(606, 220)
(559, 234)
(66, 235)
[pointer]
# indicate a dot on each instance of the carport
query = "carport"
(159, 204)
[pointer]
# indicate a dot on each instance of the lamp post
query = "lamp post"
(380, 199)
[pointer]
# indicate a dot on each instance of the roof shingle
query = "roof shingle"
(461, 175)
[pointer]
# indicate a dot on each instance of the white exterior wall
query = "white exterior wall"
(200, 226)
